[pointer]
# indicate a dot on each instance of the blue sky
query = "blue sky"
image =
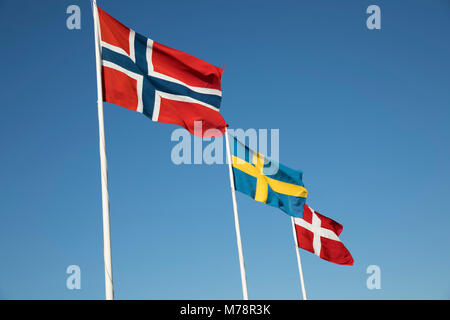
(364, 113)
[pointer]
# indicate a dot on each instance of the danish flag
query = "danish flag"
(319, 235)
(165, 84)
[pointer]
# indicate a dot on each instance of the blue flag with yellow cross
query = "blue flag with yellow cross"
(267, 181)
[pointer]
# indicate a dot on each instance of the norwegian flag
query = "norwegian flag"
(165, 84)
(319, 235)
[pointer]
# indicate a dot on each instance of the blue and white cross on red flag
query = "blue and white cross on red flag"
(165, 84)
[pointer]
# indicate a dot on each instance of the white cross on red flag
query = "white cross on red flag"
(319, 235)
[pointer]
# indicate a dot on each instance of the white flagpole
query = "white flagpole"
(236, 221)
(109, 289)
(299, 263)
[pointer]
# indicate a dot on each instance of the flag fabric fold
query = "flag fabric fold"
(267, 181)
(165, 84)
(320, 235)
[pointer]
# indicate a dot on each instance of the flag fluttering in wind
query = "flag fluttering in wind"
(168, 85)
(319, 235)
(165, 84)
(267, 181)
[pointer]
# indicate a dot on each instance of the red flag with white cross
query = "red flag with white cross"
(165, 84)
(320, 235)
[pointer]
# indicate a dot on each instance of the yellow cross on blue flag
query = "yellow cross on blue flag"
(267, 181)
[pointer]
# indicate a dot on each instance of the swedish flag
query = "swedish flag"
(267, 181)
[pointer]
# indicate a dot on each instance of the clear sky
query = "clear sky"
(364, 113)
